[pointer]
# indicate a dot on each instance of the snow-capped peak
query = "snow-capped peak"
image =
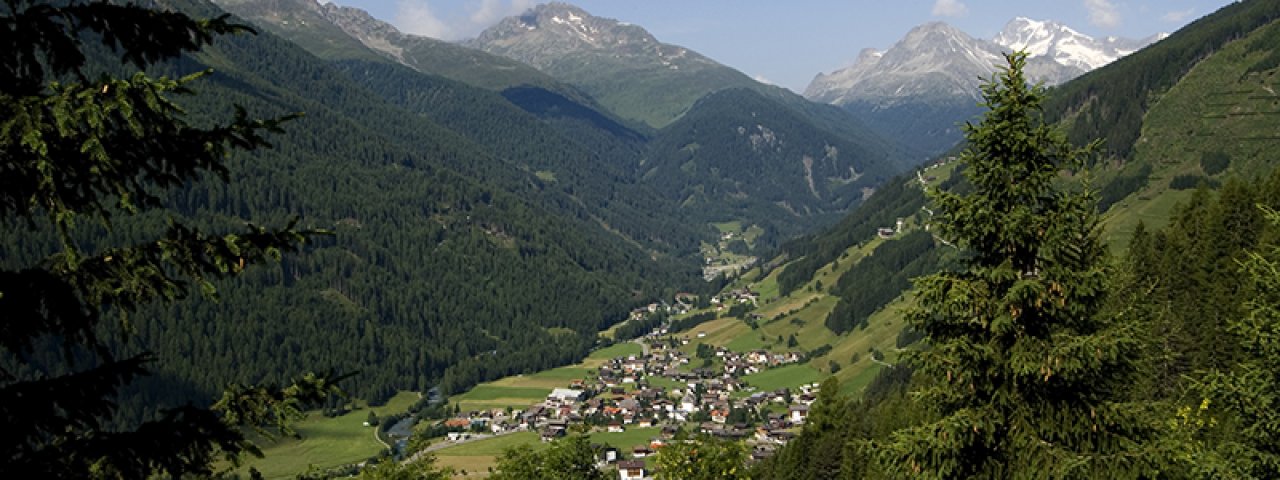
(938, 59)
(1063, 44)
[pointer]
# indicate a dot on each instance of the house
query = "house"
(610, 454)
(719, 416)
(761, 453)
(631, 470)
(615, 427)
(799, 413)
(688, 404)
(565, 395)
(552, 433)
(781, 437)
(641, 451)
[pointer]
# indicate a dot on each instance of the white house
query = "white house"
(565, 395)
(631, 470)
(799, 413)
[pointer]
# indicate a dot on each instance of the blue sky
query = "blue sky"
(788, 42)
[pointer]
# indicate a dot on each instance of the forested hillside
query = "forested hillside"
(740, 155)
(447, 264)
(589, 161)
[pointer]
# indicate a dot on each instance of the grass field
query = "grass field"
(397, 404)
(719, 332)
(747, 342)
(1153, 209)
(492, 446)
(475, 458)
(624, 441)
(327, 442)
(789, 376)
(855, 384)
(616, 350)
(664, 382)
(520, 391)
(488, 395)
(546, 379)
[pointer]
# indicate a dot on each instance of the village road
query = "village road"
(644, 347)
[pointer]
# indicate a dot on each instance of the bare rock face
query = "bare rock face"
(937, 60)
(925, 84)
(336, 32)
(555, 34)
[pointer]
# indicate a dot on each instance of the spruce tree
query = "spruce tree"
(1245, 399)
(1025, 376)
(79, 145)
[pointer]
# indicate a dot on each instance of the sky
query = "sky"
(788, 42)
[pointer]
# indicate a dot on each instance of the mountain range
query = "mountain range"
(498, 203)
(622, 65)
(489, 218)
(653, 111)
(922, 87)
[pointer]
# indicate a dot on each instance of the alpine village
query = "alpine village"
(287, 239)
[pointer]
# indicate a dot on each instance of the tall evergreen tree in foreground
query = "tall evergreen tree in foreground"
(81, 146)
(1026, 377)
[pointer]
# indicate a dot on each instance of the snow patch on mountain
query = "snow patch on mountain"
(1065, 45)
(937, 60)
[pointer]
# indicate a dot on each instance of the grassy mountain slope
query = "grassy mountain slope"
(1111, 103)
(623, 66)
(1222, 119)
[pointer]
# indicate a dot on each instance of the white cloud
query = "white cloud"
(761, 79)
(491, 11)
(1178, 16)
(419, 18)
(1103, 13)
(415, 17)
(949, 8)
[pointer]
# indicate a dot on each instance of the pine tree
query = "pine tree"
(1249, 393)
(1024, 374)
(702, 458)
(82, 146)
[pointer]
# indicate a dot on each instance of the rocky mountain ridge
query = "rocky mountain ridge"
(919, 90)
(336, 32)
(938, 60)
(621, 65)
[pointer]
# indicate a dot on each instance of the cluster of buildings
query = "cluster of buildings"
(660, 389)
